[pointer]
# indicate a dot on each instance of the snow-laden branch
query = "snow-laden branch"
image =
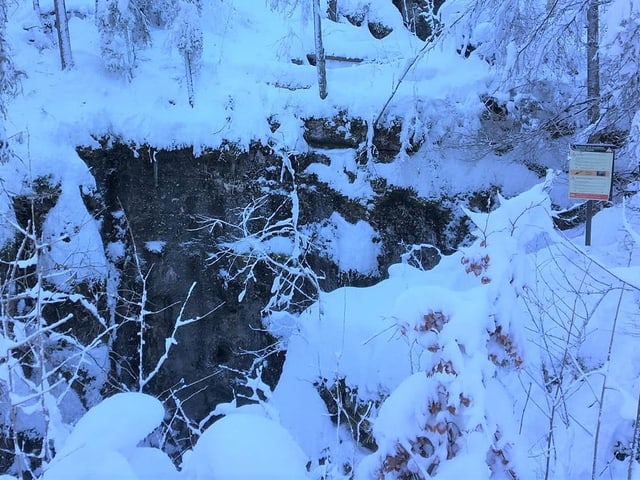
(273, 240)
(171, 340)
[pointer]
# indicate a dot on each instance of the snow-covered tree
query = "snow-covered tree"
(48, 369)
(187, 37)
(620, 72)
(158, 12)
(123, 29)
(589, 45)
(519, 38)
(538, 55)
(8, 74)
(8, 81)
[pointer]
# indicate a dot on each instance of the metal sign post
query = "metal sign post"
(590, 177)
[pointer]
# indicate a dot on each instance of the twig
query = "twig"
(604, 386)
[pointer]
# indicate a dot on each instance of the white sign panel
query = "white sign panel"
(590, 171)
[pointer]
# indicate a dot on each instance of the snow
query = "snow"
(123, 420)
(104, 442)
(245, 446)
(91, 464)
(8, 216)
(352, 247)
(91, 103)
(153, 246)
(373, 339)
(151, 464)
(397, 343)
(75, 252)
(335, 174)
(513, 338)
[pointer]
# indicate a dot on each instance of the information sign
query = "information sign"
(590, 171)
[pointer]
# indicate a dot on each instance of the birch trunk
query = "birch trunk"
(62, 26)
(320, 58)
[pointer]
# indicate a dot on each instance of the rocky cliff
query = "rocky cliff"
(152, 203)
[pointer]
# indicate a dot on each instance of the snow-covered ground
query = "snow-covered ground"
(515, 357)
(515, 351)
(247, 76)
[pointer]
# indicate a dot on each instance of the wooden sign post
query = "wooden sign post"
(590, 177)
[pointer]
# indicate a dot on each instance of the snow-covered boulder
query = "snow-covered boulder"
(104, 443)
(247, 447)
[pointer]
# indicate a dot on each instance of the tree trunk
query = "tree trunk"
(593, 63)
(62, 26)
(320, 58)
(4, 144)
(189, 73)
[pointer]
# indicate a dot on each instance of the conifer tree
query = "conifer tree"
(8, 82)
(123, 29)
(620, 72)
(187, 37)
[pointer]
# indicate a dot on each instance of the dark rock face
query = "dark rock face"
(31, 209)
(161, 195)
(416, 221)
(419, 16)
(152, 202)
(340, 131)
(343, 131)
(379, 30)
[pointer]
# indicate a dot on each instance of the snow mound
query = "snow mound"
(151, 464)
(119, 422)
(103, 444)
(88, 463)
(247, 447)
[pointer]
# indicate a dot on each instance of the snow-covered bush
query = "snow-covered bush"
(452, 412)
(474, 365)
(269, 239)
(49, 373)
